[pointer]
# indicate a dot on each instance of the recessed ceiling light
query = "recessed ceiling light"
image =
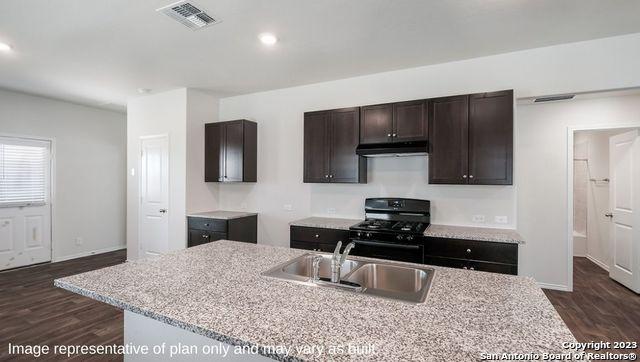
(5, 47)
(268, 38)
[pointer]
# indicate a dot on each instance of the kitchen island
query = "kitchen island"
(216, 291)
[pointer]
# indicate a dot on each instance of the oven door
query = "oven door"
(391, 251)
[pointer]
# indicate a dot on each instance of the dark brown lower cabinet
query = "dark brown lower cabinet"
(471, 254)
(317, 239)
(203, 230)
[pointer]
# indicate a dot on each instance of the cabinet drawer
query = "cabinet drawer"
(201, 223)
(503, 253)
(324, 236)
(199, 237)
(303, 245)
(472, 265)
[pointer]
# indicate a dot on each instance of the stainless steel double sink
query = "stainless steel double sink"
(379, 278)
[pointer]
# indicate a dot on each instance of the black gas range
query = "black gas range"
(393, 229)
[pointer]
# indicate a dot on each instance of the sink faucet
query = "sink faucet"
(337, 260)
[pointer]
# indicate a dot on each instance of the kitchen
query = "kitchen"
(285, 192)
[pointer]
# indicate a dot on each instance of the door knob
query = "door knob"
(609, 215)
(163, 211)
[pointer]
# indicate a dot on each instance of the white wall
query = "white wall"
(181, 114)
(163, 113)
(201, 108)
(89, 169)
(541, 157)
(586, 66)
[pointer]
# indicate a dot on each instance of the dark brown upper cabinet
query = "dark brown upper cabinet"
(448, 135)
(491, 138)
(394, 122)
(330, 141)
(471, 139)
(230, 151)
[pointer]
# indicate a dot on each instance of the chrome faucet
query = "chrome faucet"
(337, 260)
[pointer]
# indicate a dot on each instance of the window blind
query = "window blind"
(24, 172)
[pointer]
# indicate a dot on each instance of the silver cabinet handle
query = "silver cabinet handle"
(609, 215)
(163, 211)
(326, 176)
(205, 236)
(465, 268)
(394, 135)
(470, 176)
(468, 251)
(330, 176)
(388, 134)
(317, 236)
(464, 176)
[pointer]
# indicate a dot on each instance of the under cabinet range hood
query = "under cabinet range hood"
(396, 149)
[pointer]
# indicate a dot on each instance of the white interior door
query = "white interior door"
(25, 208)
(624, 154)
(154, 196)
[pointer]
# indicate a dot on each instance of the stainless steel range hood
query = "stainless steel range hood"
(400, 149)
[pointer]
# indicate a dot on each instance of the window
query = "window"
(24, 172)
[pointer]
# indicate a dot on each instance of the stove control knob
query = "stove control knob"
(368, 235)
(409, 238)
(359, 234)
(399, 237)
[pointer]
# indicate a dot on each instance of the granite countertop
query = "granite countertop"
(474, 233)
(217, 290)
(326, 222)
(222, 215)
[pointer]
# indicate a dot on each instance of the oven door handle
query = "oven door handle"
(387, 245)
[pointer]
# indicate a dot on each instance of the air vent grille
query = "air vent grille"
(554, 98)
(189, 15)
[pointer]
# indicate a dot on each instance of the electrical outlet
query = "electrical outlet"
(288, 207)
(79, 241)
(478, 218)
(331, 210)
(501, 219)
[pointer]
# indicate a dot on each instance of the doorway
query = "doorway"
(153, 219)
(604, 229)
(25, 201)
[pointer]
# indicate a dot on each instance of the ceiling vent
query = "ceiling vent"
(554, 98)
(188, 14)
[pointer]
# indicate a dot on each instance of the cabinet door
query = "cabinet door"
(213, 152)
(448, 140)
(409, 121)
(316, 145)
(491, 138)
(344, 164)
(233, 160)
(376, 124)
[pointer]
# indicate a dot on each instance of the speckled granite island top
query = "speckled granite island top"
(326, 222)
(216, 290)
(474, 233)
(222, 215)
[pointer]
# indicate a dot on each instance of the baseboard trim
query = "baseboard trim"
(559, 287)
(597, 262)
(88, 253)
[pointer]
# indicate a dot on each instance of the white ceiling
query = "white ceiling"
(99, 52)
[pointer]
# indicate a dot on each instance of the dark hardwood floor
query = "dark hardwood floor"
(598, 309)
(33, 311)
